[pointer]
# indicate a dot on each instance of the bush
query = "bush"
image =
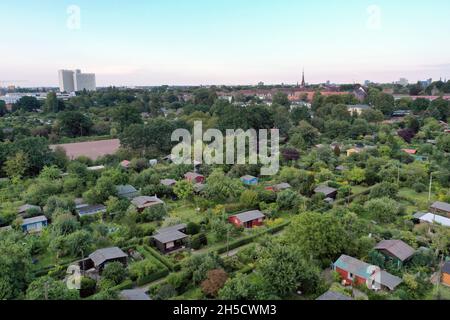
(179, 280)
(384, 189)
(419, 187)
(165, 292)
(214, 282)
(192, 228)
(146, 271)
(115, 272)
(154, 213)
(198, 240)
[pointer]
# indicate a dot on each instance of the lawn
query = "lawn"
(358, 189)
(418, 201)
(185, 212)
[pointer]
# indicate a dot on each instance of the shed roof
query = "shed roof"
(326, 190)
(168, 182)
(177, 227)
(26, 207)
(34, 220)
(432, 218)
(249, 216)
(446, 268)
(362, 270)
(282, 186)
(397, 248)
(193, 175)
(248, 177)
(353, 265)
(92, 209)
(443, 206)
(134, 295)
(334, 296)
(169, 236)
(103, 255)
(144, 200)
(125, 189)
(389, 280)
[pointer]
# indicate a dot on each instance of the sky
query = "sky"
(203, 42)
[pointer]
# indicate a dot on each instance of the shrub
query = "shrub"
(384, 189)
(154, 213)
(115, 272)
(215, 281)
(165, 292)
(419, 187)
(192, 228)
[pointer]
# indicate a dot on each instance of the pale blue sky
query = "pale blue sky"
(152, 42)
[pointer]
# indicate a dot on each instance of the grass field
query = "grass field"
(418, 201)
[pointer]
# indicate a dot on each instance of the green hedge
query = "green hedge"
(127, 284)
(152, 277)
(354, 196)
(242, 242)
(169, 264)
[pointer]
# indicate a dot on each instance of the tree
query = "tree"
(243, 287)
(17, 165)
(199, 265)
(443, 143)
(420, 105)
(384, 209)
(287, 270)
(79, 242)
(154, 213)
(287, 199)
(215, 281)
(184, 189)
(126, 116)
(27, 103)
(52, 104)
(281, 98)
(15, 263)
(306, 132)
(385, 103)
(384, 189)
(356, 175)
(300, 114)
(372, 115)
(64, 224)
(317, 236)
(3, 111)
(249, 199)
(47, 288)
(38, 153)
(74, 124)
(221, 188)
(104, 188)
(115, 272)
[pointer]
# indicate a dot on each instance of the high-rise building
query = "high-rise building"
(73, 81)
(403, 82)
(66, 83)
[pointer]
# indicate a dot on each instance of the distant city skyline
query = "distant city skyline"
(224, 42)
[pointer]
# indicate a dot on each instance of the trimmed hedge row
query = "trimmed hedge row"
(353, 196)
(242, 242)
(169, 264)
(153, 277)
(127, 284)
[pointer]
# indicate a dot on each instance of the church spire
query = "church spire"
(303, 79)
